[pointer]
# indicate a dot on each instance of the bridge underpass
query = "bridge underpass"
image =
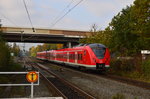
(67, 37)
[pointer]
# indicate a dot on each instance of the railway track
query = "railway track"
(141, 84)
(62, 87)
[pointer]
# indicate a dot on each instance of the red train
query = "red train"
(89, 56)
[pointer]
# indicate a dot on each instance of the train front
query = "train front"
(101, 57)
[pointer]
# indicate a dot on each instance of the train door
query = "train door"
(76, 57)
(84, 57)
(67, 56)
(80, 57)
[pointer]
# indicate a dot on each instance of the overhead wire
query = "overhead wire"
(8, 19)
(63, 11)
(28, 15)
(66, 13)
(60, 13)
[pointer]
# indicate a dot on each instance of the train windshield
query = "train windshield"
(99, 52)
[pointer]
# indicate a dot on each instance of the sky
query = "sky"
(46, 13)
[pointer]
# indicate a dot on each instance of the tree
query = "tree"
(15, 49)
(32, 51)
(4, 52)
(94, 28)
(131, 32)
(59, 46)
(128, 32)
(123, 40)
(141, 24)
(98, 36)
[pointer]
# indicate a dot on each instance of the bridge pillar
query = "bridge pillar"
(67, 45)
(70, 44)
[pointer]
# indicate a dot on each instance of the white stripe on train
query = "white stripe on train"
(89, 66)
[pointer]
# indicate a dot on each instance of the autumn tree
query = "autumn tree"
(98, 36)
(32, 51)
(15, 49)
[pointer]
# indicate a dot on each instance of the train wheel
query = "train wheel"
(82, 68)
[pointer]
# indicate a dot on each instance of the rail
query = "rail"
(72, 86)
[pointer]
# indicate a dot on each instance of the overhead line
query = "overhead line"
(66, 13)
(8, 19)
(28, 14)
(63, 10)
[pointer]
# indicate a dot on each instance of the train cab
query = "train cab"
(101, 56)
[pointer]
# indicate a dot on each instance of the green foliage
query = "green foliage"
(102, 37)
(4, 54)
(131, 68)
(11, 66)
(128, 32)
(6, 61)
(123, 40)
(4, 79)
(131, 28)
(32, 51)
(118, 96)
(120, 67)
(15, 67)
(146, 68)
(15, 49)
(141, 16)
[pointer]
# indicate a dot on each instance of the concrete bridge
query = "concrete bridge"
(39, 35)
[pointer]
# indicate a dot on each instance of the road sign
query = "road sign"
(32, 76)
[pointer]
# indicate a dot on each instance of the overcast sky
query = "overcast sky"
(44, 13)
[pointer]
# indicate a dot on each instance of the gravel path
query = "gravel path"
(99, 87)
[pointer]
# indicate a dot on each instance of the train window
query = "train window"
(79, 56)
(72, 56)
(69, 56)
(99, 52)
(65, 56)
(84, 52)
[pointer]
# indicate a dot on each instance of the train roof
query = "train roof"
(91, 45)
(97, 45)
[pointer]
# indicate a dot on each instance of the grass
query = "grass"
(9, 78)
(118, 96)
(11, 67)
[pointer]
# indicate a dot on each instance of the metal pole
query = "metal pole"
(31, 90)
(69, 44)
(23, 48)
(21, 35)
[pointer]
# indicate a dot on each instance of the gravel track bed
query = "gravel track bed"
(67, 91)
(100, 87)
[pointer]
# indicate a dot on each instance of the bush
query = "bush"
(132, 68)
(11, 67)
(4, 55)
(120, 66)
(146, 67)
(15, 67)
(118, 96)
